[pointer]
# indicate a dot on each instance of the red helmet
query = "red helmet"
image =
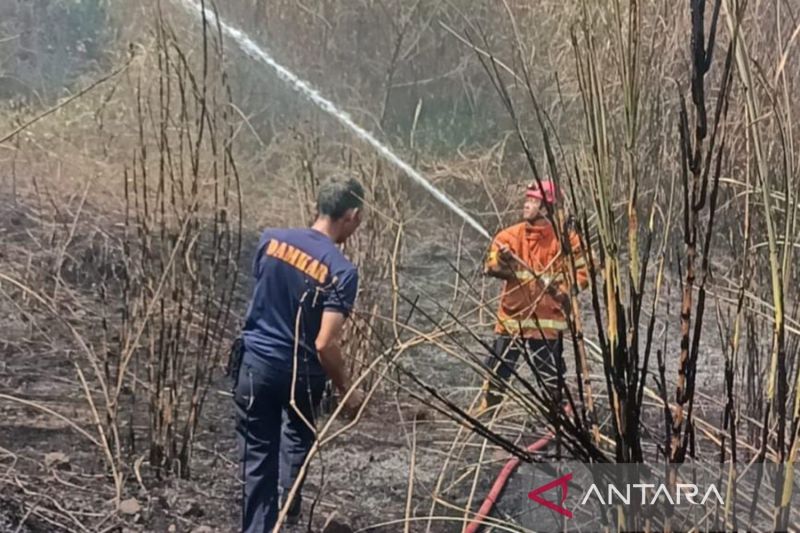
(547, 187)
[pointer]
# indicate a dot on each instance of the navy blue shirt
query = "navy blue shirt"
(298, 274)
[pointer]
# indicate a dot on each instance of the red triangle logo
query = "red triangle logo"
(562, 482)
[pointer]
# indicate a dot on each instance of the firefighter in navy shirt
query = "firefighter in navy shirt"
(304, 290)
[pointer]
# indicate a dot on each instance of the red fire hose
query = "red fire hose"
(500, 482)
(502, 479)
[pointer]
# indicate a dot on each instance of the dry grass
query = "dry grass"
(687, 200)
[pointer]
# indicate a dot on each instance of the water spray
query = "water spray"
(249, 47)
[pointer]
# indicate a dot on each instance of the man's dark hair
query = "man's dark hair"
(337, 194)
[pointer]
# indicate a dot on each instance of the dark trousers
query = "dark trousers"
(273, 439)
(546, 356)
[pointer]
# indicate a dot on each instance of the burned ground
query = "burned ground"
(361, 479)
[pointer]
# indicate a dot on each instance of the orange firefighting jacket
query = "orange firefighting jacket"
(525, 308)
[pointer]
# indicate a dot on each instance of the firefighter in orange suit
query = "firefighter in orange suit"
(534, 303)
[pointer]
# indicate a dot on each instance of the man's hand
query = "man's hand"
(505, 253)
(551, 287)
(547, 284)
(563, 300)
(354, 402)
(501, 265)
